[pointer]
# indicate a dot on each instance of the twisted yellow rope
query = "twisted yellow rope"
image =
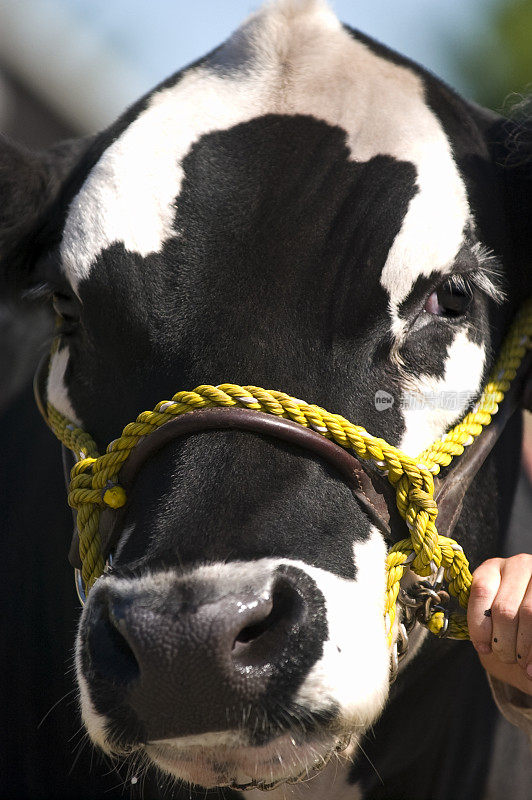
(93, 478)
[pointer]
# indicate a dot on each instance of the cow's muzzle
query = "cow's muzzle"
(171, 657)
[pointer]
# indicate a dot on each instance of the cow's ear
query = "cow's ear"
(30, 183)
(510, 143)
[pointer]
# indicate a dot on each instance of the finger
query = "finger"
(524, 632)
(507, 673)
(505, 609)
(486, 582)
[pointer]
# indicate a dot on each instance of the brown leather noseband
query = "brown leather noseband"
(372, 490)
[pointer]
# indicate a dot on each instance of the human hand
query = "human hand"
(499, 615)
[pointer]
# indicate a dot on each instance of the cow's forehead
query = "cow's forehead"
(290, 58)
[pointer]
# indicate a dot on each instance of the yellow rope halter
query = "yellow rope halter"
(93, 478)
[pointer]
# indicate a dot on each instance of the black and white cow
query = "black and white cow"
(305, 210)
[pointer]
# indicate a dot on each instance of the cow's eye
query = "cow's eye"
(451, 299)
(66, 307)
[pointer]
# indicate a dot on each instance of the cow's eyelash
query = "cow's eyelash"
(46, 292)
(487, 276)
(487, 281)
(39, 292)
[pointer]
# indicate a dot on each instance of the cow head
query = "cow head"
(303, 210)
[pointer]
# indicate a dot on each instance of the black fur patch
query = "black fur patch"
(273, 281)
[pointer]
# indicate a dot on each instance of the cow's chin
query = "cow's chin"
(283, 760)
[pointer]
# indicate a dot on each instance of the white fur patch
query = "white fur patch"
(433, 229)
(214, 766)
(289, 58)
(57, 392)
(354, 668)
(129, 195)
(430, 405)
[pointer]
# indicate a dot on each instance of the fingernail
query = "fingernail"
(529, 671)
(483, 648)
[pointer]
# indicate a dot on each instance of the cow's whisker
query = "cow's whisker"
(57, 703)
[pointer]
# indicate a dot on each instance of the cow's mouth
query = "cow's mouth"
(285, 760)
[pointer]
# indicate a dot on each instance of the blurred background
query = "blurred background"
(71, 66)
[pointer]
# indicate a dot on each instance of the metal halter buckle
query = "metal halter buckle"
(417, 605)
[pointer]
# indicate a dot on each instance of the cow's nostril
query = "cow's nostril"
(111, 656)
(254, 631)
(260, 640)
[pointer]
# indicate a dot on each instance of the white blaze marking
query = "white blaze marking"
(435, 403)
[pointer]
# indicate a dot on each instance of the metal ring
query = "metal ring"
(402, 640)
(80, 584)
(427, 589)
(406, 600)
(445, 627)
(394, 663)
